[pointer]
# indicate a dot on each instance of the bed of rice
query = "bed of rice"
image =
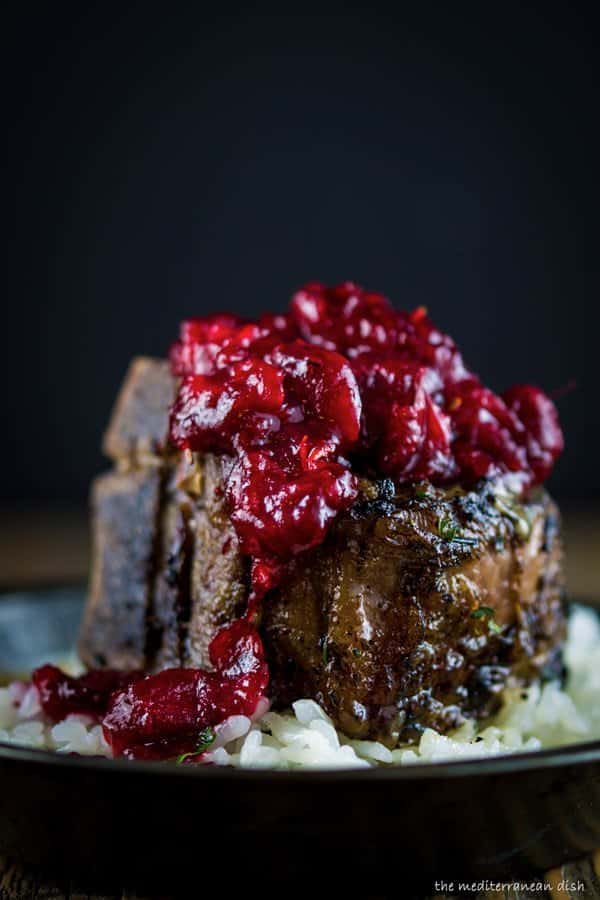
(304, 737)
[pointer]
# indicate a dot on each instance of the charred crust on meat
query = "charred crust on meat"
(431, 588)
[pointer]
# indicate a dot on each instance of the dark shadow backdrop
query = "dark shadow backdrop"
(169, 164)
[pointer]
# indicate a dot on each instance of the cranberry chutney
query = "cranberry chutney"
(303, 405)
(343, 384)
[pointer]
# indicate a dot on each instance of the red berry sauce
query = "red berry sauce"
(62, 695)
(161, 716)
(303, 403)
(342, 384)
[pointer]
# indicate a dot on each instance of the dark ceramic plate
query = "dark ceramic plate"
(388, 829)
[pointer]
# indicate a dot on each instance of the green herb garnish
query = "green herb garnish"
(205, 739)
(450, 531)
(447, 529)
(488, 613)
(356, 651)
(324, 651)
(483, 611)
(422, 490)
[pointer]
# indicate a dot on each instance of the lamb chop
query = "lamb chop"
(416, 609)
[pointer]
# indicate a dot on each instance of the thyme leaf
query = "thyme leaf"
(205, 739)
(447, 529)
(483, 612)
(488, 613)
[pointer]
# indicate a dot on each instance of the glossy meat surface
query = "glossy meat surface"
(417, 610)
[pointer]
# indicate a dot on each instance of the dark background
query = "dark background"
(165, 163)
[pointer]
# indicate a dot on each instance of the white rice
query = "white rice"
(305, 737)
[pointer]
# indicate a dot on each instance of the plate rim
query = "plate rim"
(550, 758)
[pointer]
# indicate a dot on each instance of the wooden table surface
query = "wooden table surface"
(573, 881)
(44, 547)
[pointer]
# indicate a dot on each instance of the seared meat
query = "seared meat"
(166, 571)
(419, 607)
(125, 512)
(138, 426)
